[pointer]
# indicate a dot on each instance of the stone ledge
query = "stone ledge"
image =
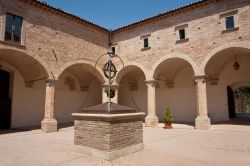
(109, 117)
(230, 30)
(109, 155)
(9, 43)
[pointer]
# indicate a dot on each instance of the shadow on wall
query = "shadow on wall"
(68, 100)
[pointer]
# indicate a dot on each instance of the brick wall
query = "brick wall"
(204, 32)
(108, 136)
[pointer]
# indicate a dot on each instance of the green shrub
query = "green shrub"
(168, 117)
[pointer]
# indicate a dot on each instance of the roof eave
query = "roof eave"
(164, 15)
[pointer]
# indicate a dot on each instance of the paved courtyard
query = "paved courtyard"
(223, 144)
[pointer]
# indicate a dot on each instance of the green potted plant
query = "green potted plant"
(112, 91)
(168, 119)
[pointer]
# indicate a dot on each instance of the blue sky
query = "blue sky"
(113, 14)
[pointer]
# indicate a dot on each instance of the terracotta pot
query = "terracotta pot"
(168, 125)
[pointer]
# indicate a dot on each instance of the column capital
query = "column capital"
(114, 85)
(50, 82)
(200, 78)
(152, 83)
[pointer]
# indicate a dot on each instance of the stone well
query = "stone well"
(108, 134)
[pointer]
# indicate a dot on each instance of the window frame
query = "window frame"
(224, 16)
(227, 24)
(143, 39)
(113, 49)
(182, 34)
(178, 29)
(13, 29)
(145, 42)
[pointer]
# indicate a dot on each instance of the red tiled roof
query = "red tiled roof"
(59, 11)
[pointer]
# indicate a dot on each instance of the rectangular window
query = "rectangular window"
(113, 50)
(13, 28)
(229, 22)
(182, 34)
(146, 43)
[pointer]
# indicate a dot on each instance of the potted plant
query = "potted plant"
(112, 91)
(168, 119)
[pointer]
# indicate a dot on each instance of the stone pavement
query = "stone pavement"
(223, 144)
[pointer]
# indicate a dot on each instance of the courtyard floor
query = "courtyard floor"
(223, 144)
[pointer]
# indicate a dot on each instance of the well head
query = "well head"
(104, 109)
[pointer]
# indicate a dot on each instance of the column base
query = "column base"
(202, 123)
(49, 125)
(151, 121)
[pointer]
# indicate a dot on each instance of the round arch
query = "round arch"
(178, 56)
(26, 86)
(22, 58)
(174, 74)
(134, 65)
(98, 74)
(239, 45)
(237, 85)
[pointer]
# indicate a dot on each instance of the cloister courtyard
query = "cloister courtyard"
(223, 144)
(192, 61)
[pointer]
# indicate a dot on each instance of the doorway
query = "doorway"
(231, 103)
(5, 101)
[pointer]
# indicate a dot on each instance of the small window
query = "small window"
(13, 28)
(229, 22)
(182, 34)
(113, 50)
(146, 43)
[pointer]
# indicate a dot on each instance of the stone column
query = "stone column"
(151, 119)
(202, 121)
(49, 124)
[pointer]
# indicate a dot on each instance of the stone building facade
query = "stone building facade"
(185, 59)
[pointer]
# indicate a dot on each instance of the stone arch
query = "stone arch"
(178, 56)
(20, 59)
(98, 72)
(133, 64)
(239, 84)
(243, 45)
(132, 89)
(174, 74)
(77, 88)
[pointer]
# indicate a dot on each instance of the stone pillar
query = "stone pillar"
(49, 124)
(151, 119)
(202, 121)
